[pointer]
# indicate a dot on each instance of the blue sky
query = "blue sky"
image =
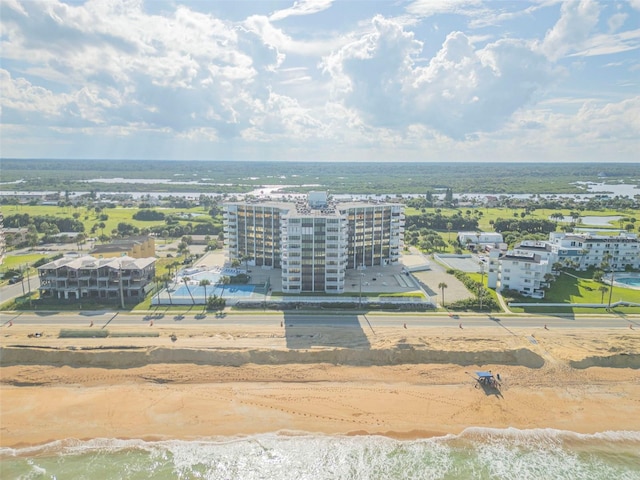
(321, 80)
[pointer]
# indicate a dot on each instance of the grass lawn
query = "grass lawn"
(16, 262)
(116, 215)
(568, 289)
(489, 214)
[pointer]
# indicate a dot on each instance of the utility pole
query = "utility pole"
(29, 284)
(610, 290)
(22, 280)
(480, 292)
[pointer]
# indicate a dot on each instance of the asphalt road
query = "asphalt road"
(9, 292)
(103, 319)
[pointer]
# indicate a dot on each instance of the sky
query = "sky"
(321, 80)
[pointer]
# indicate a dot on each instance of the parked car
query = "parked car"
(16, 279)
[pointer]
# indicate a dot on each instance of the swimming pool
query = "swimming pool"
(213, 277)
(226, 291)
(633, 282)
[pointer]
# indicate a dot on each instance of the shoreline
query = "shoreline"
(404, 398)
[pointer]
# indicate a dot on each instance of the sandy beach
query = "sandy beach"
(224, 381)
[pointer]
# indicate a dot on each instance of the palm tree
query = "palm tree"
(442, 286)
(449, 227)
(602, 289)
(186, 284)
(223, 280)
(165, 278)
(203, 283)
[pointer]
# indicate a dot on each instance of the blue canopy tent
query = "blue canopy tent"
(486, 378)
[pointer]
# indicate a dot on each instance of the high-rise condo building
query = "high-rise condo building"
(315, 241)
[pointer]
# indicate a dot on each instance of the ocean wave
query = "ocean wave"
(475, 453)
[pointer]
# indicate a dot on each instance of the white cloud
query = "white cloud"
(22, 96)
(193, 83)
(616, 21)
(302, 7)
(426, 8)
(578, 18)
(460, 92)
(607, 44)
(611, 130)
(284, 43)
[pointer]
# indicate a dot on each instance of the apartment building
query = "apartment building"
(525, 268)
(314, 241)
(520, 270)
(75, 278)
(588, 250)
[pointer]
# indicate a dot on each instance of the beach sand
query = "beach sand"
(226, 381)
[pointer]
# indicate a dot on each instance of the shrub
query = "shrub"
(84, 333)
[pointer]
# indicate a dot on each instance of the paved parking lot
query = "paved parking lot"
(390, 279)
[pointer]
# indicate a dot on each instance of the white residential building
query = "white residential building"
(522, 271)
(480, 239)
(314, 242)
(525, 268)
(588, 250)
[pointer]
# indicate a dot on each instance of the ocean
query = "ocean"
(477, 453)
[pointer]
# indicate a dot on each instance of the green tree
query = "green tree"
(216, 303)
(166, 278)
(442, 286)
(602, 289)
(32, 236)
(203, 283)
(186, 284)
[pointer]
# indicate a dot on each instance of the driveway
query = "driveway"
(430, 279)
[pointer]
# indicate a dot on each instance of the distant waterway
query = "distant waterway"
(604, 221)
(275, 191)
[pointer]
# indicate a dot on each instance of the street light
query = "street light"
(610, 290)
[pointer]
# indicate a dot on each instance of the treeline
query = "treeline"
(147, 215)
(125, 229)
(528, 225)
(44, 223)
(437, 221)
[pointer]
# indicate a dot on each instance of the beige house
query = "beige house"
(136, 247)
